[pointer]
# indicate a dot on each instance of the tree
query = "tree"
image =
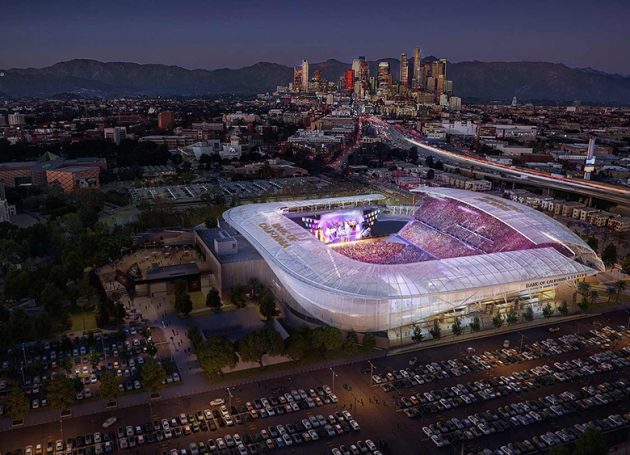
(609, 256)
(512, 317)
(547, 311)
(558, 449)
(610, 292)
(152, 374)
(593, 243)
(620, 286)
(61, 392)
(297, 345)
(195, 337)
(593, 296)
(475, 325)
(183, 303)
(591, 442)
(238, 296)
(435, 331)
(253, 346)
(327, 338)
(497, 320)
(563, 309)
(583, 305)
(17, 404)
(625, 265)
(369, 342)
(215, 354)
(351, 343)
(213, 299)
(417, 334)
(584, 288)
(528, 315)
(109, 386)
(268, 306)
(457, 327)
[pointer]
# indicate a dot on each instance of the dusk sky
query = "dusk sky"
(213, 34)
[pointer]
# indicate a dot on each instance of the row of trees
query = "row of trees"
(511, 318)
(217, 353)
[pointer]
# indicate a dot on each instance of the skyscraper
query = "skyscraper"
(297, 78)
(356, 67)
(305, 75)
(349, 80)
(417, 68)
(404, 70)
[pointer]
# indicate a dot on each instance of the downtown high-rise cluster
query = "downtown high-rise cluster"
(423, 82)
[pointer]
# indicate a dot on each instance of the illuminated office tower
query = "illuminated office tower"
(349, 80)
(417, 68)
(297, 78)
(404, 70)
(383, 73)
(356, 67)
(305, 74)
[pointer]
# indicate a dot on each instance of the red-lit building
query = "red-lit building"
(166, 120)
(349, 80)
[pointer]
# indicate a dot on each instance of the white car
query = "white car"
(217, 402)
(354, 424)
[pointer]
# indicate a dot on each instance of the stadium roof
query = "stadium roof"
(300, 254)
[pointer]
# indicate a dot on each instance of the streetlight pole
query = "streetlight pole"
(230, 397)
(371, 371)
(333, 379)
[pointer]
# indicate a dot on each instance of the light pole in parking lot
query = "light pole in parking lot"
(333, 379)
(372, 367)
(230, 397)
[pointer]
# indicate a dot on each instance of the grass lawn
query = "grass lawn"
(83, 321)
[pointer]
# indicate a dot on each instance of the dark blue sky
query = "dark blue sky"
(213, 34)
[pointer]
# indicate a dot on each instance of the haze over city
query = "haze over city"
(209, 35)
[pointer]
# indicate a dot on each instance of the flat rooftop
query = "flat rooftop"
(170, 272)
(246, 252)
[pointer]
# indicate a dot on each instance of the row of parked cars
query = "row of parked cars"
(565, 435)
(421, 374)
(221, 416)
(436, 401)
(279, 436)
(514, 415)
(358, 448)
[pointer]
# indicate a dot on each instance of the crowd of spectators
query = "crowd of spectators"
(382, 251)
(470, 226)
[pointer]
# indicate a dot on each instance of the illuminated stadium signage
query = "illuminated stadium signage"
(279, 233)
(553, 281)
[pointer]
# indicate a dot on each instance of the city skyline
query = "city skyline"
(221, 36)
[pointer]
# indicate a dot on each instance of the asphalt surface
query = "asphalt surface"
(374, 409)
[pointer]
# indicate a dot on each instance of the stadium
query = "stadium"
(358, 264)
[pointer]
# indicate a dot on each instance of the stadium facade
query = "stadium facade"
(355, 263)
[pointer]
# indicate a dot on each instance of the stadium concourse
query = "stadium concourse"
(356, 263)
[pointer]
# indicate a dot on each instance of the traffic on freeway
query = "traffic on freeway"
(397, 133)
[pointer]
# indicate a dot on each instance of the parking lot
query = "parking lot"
(85, 358)
(479, 395)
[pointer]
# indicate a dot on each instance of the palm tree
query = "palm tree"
(584, 288)
(620, 286)
(592, 296)
(610, 292)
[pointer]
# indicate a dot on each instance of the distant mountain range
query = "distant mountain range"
(474, 81)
